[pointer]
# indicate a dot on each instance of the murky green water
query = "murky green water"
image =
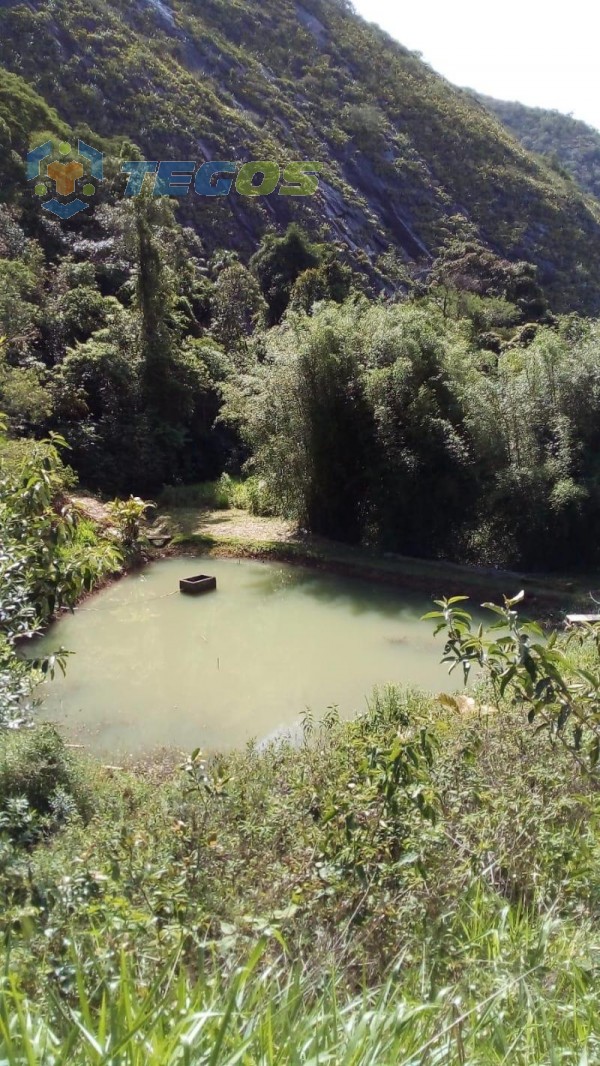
(153, 668)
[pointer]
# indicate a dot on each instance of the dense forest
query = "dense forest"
(455, 417)
(406, 364)
(427, 381)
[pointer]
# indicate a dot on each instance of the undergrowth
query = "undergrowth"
(221, 495)
(416, 886)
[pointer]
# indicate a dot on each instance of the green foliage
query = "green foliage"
(22, 113)
(568, 145)
(19, 298)
(250, 494)
(347, 416)
(127, 516)
(306, 419)
(254, 496)
(406, 426)
(238, 306)
(556, 693)
(332, 280)
(123, 332)
(417, 885)
(401, 151)
(36, 768)
(401, 886)
(218, 495)
(44, 567)
(278, 263)
(370, 813)
(24, 397)
(465, 266)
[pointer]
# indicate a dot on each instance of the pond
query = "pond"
(153, 668)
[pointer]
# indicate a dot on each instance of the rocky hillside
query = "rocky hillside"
(569, 146)
(402, 150)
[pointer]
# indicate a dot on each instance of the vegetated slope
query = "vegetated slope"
(569, 144)
(22, 111)
(402, 150)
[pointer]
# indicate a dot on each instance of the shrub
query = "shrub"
(35, 766)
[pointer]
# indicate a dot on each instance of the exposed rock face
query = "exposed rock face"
(401, 150)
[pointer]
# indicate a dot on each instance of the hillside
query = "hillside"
(565, 141)
(402, 150)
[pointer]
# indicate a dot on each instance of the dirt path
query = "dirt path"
(233, 524)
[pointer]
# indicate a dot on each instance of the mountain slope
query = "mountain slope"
(401, 149)
(564, 140)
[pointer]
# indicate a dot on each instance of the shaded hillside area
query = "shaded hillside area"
(402, 150)
(570, 146)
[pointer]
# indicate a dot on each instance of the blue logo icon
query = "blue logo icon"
(86, 164)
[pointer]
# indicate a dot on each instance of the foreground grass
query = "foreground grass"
(410, 887)
(546, 1013)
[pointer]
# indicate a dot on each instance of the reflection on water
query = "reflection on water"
(153, 668)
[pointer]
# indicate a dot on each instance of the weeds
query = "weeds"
(250, 495)
(415, 886)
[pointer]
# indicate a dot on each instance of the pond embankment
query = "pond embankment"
(237, 534)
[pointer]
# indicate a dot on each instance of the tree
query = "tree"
(331, 280)
(238, 306)
(305, 416)
(468, 266)
(19, 307)
(277, 264)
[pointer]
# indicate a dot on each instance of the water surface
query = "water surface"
(152, 667)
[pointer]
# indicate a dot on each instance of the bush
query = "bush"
(36, 767)
(250, 495)
(303, 897)
(216, 495)
(253, 495)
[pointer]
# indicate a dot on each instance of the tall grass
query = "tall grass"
(276, 906)
(527, 996)
(250, 495)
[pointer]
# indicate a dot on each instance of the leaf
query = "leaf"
(506, 678)
(516, 599)
(410, 859)
(286, 914)
(494, 607)
(448, 702)
(462, 614)
(594, 681)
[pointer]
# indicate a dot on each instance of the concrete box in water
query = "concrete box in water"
(195, 586)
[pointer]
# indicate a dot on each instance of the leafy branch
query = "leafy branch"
(536, 671)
